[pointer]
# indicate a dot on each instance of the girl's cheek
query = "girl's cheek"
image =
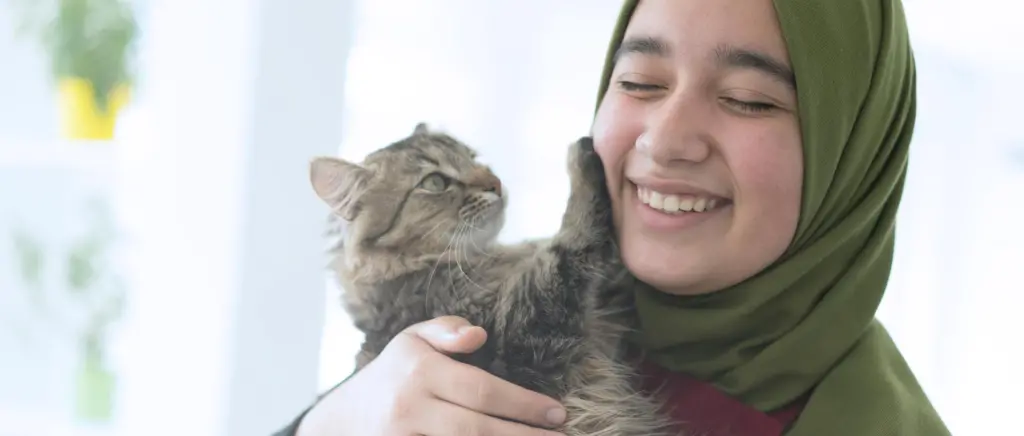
(615, 130)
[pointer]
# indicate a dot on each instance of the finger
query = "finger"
(448, 334)
(478, 390)
(440, 418)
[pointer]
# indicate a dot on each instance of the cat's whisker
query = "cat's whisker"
(447, 250)
(480, 250)
(459, 245)
(469, 222)
(428, 233)
(455, 251)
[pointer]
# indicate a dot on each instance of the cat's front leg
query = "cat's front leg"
(587, 222)
(541, 322)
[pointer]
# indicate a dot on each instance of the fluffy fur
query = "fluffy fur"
(421, 219)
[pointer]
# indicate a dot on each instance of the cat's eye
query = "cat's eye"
(435, 182)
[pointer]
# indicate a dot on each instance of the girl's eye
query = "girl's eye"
(750, 106)
(638, 87)
(435, 182)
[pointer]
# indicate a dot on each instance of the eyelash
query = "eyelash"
(745, 106)
(750, 106)
(633, 86)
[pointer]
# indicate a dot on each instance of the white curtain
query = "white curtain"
(518, 81)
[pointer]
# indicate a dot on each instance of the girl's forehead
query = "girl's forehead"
(704, 30)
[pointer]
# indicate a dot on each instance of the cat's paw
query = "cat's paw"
(585, 167)
(587, 219)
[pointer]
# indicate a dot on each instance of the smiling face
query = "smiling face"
(700, 139)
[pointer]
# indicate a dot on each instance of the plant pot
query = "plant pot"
(94, 390)
(80, 118)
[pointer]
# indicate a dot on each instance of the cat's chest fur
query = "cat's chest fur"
(488, 293)
(382, 310)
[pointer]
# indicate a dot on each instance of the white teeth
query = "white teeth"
(656, 200)
(672, 203)
(686, 204)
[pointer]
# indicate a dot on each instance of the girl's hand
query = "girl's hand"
(414, 389)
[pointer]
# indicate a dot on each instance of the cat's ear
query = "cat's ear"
(421, 129)
(339, 183)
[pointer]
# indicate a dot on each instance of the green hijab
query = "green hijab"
(805, 327)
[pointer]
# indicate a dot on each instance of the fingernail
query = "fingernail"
(462, 330)
(556, 416)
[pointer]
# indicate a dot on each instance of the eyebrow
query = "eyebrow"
(726, 55)
(735, 57)
(645, 45)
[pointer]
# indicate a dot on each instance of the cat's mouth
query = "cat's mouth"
(483, 217)
(483, 209)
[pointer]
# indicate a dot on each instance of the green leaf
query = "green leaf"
(82, 269)
(89, 39)
(30, 259)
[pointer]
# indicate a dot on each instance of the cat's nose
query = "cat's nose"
(492, 185)
(487, 181)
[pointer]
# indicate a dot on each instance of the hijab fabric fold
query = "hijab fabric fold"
(805, 327)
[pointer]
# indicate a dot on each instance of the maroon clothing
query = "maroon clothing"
(703, 409)
(706, 411)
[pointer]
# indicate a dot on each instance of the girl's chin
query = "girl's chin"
(665, 273)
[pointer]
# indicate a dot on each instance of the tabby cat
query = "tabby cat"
(421, 218)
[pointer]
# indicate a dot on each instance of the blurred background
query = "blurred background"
(161, 267)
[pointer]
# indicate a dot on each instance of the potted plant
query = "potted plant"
(90, 45)
(84, 308)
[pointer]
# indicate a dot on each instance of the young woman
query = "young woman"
(788, 123)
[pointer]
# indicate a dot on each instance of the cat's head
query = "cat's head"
(417, 197)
